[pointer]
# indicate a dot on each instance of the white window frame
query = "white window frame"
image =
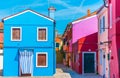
(20, 34)
(46, 33)
(46, 58)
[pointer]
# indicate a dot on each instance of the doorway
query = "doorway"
(25, 62)
(89, 62)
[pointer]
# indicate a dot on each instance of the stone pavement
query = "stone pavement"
(63, 72)
(73, 74)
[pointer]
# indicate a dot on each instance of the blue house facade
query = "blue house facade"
(29, 45)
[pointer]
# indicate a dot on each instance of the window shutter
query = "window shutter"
(42, 34)
(103, 23)
(41, 60)
(16, 33)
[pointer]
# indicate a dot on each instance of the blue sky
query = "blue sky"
(67, 10)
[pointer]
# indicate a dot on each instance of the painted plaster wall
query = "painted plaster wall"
(84, 32)
(29, 23)
(114, 38)
(84, 28)
(103, 37)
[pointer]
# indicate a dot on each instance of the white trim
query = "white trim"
(83, 60)
(83, 19)
(28, 11)
(20, 33)
(46, 58)
(46, 33)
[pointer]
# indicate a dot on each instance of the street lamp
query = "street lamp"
(105, 3)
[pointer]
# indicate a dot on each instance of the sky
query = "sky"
(66, 10)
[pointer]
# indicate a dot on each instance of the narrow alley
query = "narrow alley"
(72, 74)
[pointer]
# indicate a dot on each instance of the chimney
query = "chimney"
(51, 11)
(88, 12)
(56, 33)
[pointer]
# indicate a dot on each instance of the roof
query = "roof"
(100, 9)
(1, 25)
(68, 25)
(28, 10)
(86, 16)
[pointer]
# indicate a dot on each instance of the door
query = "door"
(104, 64)
(25, 62)
(89, 63)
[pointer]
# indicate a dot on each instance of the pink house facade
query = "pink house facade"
(84, 43)
(103, 48)
(84, 27)
(114, 37)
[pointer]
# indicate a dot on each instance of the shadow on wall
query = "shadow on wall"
(86, 43)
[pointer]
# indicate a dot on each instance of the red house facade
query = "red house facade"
(86, 45)
(80, 44)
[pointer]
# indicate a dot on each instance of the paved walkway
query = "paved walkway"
(73, 74)
(63, 72)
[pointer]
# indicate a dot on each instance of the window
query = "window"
(1, 30)
(16, 33)
(42, 34)
(41, 59)
(102, 24)
(110, 15)
(101, 56)
(57, 44)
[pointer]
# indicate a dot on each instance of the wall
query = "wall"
(84, 27)
(84, 38)
(29, 23)
(113, 37)
(103, 37)
(11, 66)
(29, 27)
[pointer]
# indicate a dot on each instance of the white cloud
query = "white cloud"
(72, 11)
(63, 3)
(15, 9)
